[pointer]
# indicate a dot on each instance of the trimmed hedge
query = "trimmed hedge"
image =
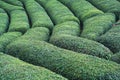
(81, 12)
(14, 2)
(9, 7)
(116, 57)
(69, 28)
(72, 65)
(6, 38)
(111, 39)
(42, 2)
(19, 21)
(98, 25)
(14, 69)
(83, 45)
(37, 33)
(4, 21)
(37, 14)
(107, 5)
(58, 12)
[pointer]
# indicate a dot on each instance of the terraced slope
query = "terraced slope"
(59, 40)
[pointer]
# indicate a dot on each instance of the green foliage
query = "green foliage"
(72, 65)
(9, 7)
(14, 69)
(107, 5)
(4, 20)
(19, 21)
(117, 23)
(37, 33)
(58, 12)
(111, 39)
(81, 45)
(37, 14)
(14, 2)
(2, 10)
(81, 12)
(116, 57)
(6, 38)
(98, 25)
(69, 28)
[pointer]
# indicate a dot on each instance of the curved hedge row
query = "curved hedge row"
(37, 14)
(81, 12)
(58, 12)
(98, 25)
(19, 21)
(111, 39)
(83, 45)
(9, 7)
(4, 21)
(70, 64)
(37, 33)
(14, 69)
(68, 28)
(107, 5)
(14, 2)
(6, 38)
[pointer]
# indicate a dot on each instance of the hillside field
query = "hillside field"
(59, 39)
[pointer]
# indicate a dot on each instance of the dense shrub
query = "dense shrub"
(4, 21)
(107, 5)
(98, 25)
(14, 69)
(83, 45)
(14, 2)
(69, 28)
(37, 14)
(9, 7)
(116, 57)
(19, 21)
(37, 33)
(111, 39)
(70, 64)
(58, 12)
(6, 38)
(82, 8)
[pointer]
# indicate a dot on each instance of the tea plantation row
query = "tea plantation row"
(59, 39)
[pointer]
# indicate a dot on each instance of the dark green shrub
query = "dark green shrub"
(81, 45)
(69, 28)
(9, 7)
(19, 21)
(116, 57)
(14, 2)
(58, 12)
(37, 33)
(4, 20)
(98, 25)
(14, 69)
(37, 14)
(111, 39)
(81, 12)
(72, 65)
(107, 5)
(6, 38)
